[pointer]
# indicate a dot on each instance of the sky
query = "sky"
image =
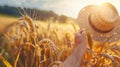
(67, 7)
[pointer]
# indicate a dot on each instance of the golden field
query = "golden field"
(26, 43)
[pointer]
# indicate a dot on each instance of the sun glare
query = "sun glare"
(100, 2)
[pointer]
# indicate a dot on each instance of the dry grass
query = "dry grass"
(28, 44)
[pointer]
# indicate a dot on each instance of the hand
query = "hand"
(80, 44)
(76, 56)
(80, 39)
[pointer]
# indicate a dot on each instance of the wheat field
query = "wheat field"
(28, 43)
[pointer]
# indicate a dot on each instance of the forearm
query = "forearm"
(75, 58)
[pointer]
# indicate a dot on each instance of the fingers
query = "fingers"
(82, 31)
(80, 37)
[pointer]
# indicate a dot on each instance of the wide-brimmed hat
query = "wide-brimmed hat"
(102, 21)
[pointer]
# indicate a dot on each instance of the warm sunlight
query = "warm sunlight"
(72, 8)
(59, 33)
(68, 7)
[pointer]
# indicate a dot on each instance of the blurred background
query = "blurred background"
(68, 8)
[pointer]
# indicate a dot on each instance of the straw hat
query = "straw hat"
(102, 21)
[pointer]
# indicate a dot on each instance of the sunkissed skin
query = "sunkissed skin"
(75, 58)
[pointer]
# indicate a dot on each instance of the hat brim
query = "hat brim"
(83, 22)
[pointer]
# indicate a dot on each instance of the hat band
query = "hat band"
(96, 29)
